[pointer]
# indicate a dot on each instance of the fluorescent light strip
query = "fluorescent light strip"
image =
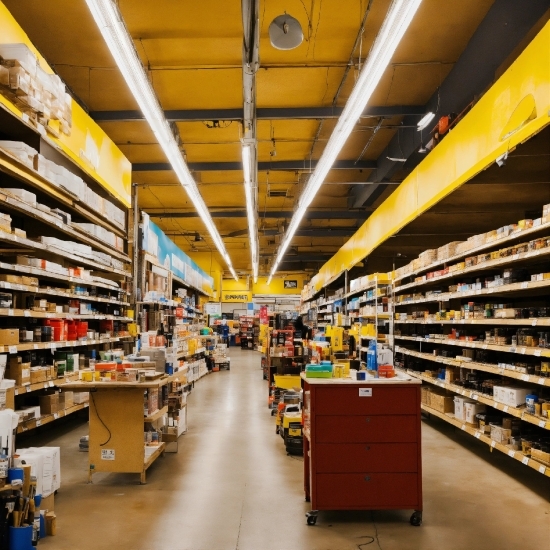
(393, 28)
(425, 120)
(121, 46)
(250, 209)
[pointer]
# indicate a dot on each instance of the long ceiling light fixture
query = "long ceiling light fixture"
(112, 27)
(250, 208)
(393, 28)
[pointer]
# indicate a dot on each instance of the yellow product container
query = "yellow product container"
(130, 313)
(287, 381)
(368, 330)
(133, 329)
(337, 339)
(87, 375)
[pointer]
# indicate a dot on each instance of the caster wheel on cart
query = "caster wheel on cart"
(311, 517)
(416, 519)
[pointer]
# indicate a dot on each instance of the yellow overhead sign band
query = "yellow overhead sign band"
(514, 109)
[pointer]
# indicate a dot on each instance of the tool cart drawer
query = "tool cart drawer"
(366, 429)
(373, 457)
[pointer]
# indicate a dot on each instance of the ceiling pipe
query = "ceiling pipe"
(251, 62)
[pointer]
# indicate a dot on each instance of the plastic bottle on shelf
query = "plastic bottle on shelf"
(93, 359)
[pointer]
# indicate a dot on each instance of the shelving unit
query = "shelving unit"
(481, 313)
(68, 248)
(117, 446)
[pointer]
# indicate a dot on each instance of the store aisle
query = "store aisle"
(232, 486)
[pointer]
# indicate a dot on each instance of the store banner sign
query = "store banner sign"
(156, 243)
(291, 284)
(264, 318)
(236, 296)
(213, 309)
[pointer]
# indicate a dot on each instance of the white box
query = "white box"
(470, 411)
(36, 462)
(459, 407)
(499, 394)
(516, 396)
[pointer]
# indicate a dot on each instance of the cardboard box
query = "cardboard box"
(48, 503)
(19, 371)
(39, 374)
(7, 398)
(29, 281)
(49, 404)
(14, 279)
(9, 336)
(441, 403)
(80, 397)
(66, 399)
(516, 396)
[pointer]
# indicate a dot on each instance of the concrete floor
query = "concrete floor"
(232, 486)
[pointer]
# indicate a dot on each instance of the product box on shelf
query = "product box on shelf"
(441, 403)
(66, 399)
(9, 336)
(39, 374)
(80, 397)
(459, 412)
(500, 434)
(49, 403)
(470, 411)
(19, 371)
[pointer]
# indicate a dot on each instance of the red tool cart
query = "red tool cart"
(362, 445)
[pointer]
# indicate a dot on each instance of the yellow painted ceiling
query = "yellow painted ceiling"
(193, 54)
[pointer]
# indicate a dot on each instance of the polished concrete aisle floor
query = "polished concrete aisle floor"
(232, 486)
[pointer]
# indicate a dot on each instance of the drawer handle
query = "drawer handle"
(367, 448)
(367, 419)
(367, 478)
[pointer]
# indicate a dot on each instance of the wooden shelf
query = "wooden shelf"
(56, 345)
(149, 460)
(502, 289)
(491, 264)
(534, 322)
(520, 350)
(62, 294)
(155, 416)
(485, 367)
(46, 419)
(481, 398)
(5, 312)
(517, 455)
(43, 273)
(29, 244)
(486, 246)
(14, 203)
(58, 382)
(17, 170)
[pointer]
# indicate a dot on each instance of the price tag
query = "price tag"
(541, 381)
(522, 351)
(542, 423)
(484, 346)
(39, 422)
(475, 396)
(505, 408)
(36, 346)
(27, 313)
(525, 377)
(493, 443)
(86, 405)
(12, 349)
(515, 256)
(512, 349)
(46, 385)
(10, 312)
(7, 285)
(50, 315)
(53, 345)
(525, 284)
(28, 389)
(511, 453)
(534, 322)
(537, 353)
(477, 435)
(525, 460)
(55, 416)
(463, 427)
(542, 469)
(51, 384)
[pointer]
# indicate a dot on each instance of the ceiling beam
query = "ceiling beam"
(266, 113)
(265, 166)
(504, 27)
(269, 214)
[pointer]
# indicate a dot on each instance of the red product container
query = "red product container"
(82, 329)
(59, 327)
